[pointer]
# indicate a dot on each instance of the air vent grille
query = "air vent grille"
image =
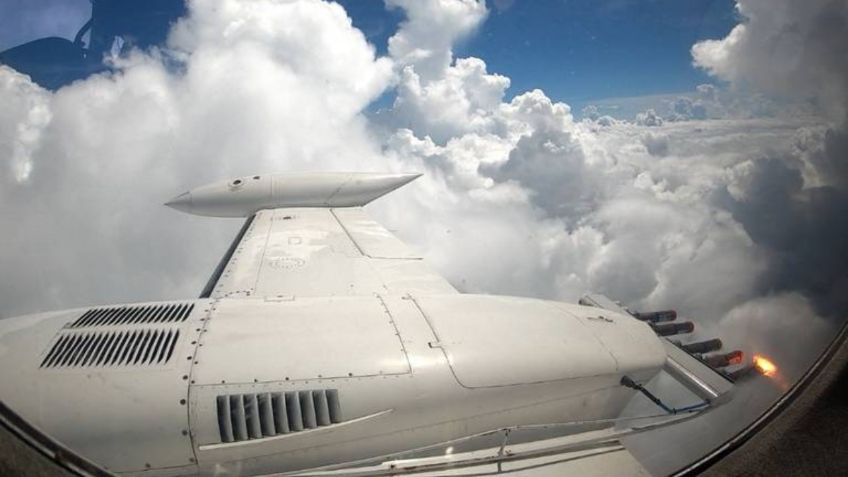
(136, 347)
(130, 315)
(254, 416)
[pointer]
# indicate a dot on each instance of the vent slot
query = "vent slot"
(139, 347)
(243, 417)
(133, 315)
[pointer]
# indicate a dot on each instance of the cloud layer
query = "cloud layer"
(519, 197)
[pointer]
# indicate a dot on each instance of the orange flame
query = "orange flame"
(764, 366)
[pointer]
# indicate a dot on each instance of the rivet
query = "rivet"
(182, 401)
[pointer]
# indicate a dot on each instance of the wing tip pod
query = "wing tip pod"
(244, 196)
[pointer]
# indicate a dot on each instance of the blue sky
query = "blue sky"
(575, 50)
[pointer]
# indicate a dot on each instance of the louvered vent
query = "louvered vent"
(136, 347)
(253, 416)
(130, 315)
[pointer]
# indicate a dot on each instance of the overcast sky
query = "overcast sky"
(726, 201)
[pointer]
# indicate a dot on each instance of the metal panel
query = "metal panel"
(323, 252)
(631, 342)
(131, 413)
(537, 341)
(699, 378)
(371, 238)
(314, 333)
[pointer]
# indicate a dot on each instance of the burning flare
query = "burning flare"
(764, 366)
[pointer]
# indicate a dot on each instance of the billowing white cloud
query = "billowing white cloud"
(649, 118)
(260, 86)
(708, 92)
(684, 109)
(787, 48)
(426, 38)
(299, 43)
(25, 114)
(790, 49)
(732, 221)
(518, 198)
(465, 99)
(657, 145)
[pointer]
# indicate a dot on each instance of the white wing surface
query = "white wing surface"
(289, 252)
(307, 235)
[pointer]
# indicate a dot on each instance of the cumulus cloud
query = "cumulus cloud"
(606, 121)
(786, 48)
(591, 112)
(426, 38)
(685, 109)
(735, 221)
(262, 86)
(465, 99)
(518, 197)
(649, 118)
(707, 91)
(657, 145)
(26, 114)
(793, 50)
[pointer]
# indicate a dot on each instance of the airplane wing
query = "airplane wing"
(308, 235)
